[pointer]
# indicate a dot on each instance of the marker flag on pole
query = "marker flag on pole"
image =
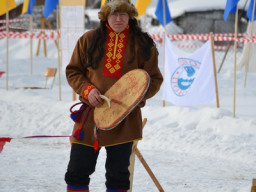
(250, 11)
(49, 6)
(188, 80)
(160, 12)
(28, 6)
(230, 8)
(3, 6)
(3, 141)
(141, 6)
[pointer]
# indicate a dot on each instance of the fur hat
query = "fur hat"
(112, 6)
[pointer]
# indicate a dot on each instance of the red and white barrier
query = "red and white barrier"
(26, 35)
(14, 20)
(205, 37)
(3, 27)
(38, 30)
(41, 33)
(216, 47)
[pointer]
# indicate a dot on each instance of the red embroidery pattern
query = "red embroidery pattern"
(114, 56)
(87, 90)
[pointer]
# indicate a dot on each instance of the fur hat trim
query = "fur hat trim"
(117, 5)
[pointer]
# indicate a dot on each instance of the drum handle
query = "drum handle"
(108, 100)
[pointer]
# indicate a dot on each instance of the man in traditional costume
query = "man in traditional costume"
(100, 58)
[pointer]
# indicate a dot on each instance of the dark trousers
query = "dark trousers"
(83, 162)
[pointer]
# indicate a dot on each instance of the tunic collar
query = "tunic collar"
(114, 52)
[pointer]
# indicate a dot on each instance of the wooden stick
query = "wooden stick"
(39, 41)
(59, 60)
(164, 52)
(234, 75)
(31, 44)
(45, 48)
(253, 189)
(151, 174)
(43, 19)
(144, 163)
(249, 45)
(50, 27)
(224, 58)
(132, 158)
(163, 103)
(214, 71)
(7, 42)
(38, 47)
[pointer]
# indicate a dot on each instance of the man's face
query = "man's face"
(118, 21)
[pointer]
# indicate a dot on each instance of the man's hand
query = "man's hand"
(94, 98)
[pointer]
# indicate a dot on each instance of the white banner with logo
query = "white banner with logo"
(188, 80)
(71, 27)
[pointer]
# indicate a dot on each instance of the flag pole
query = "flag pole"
(214, 71)
(164, 17)
(58, 48)
(235, 53)
(249, 45)
(7, 43)
(31, 43)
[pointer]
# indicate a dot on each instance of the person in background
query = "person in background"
(100, 57)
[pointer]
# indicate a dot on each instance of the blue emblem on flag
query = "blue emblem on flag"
(184, 76)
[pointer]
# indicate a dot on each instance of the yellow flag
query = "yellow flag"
(3, 6)
(102, 3)
(141, 6)
(25, 7)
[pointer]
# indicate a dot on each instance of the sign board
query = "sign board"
(71, 25)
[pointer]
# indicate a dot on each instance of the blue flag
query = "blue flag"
(230, 8)
(49, 6)
(160, 14)
(250, 11)
(30, 6)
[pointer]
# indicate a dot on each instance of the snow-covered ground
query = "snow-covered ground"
(189, 149)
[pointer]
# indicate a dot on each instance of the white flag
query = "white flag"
(188, 80)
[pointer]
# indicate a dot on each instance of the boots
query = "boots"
(72, 188)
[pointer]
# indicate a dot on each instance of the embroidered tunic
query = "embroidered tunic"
(111, 67)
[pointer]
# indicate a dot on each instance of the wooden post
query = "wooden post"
(164, 16)
(135, 151)
(58, 48)
(253, 189)
(43, 21)
(234, 75)
(132, 158)
(249, 45)
(7, 43)
(132, 164)
(163, 103)
(39, 41)
(151, 174)
(31, 44)
(214, 71)
(164, 39)
(50, 27)
(224, 58)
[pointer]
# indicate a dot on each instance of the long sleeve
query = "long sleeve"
(151, 66)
